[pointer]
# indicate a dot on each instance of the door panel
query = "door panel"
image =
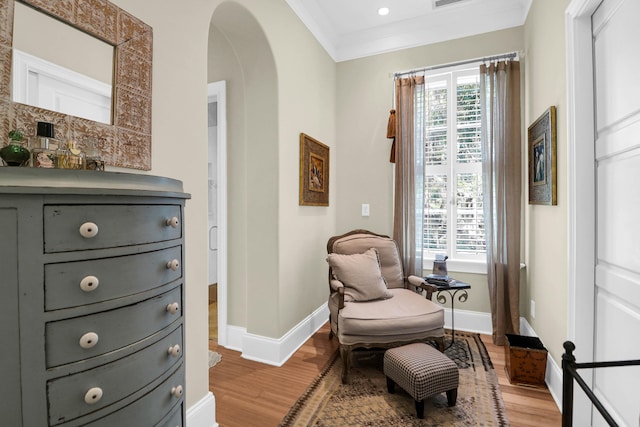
(615, 386)
(618, 211)
(615, 49)
(617, 150)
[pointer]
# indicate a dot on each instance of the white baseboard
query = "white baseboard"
(235, 336)
(469, 321)
(203, 413)
(554, 381)
(526, 329)
(276, 351)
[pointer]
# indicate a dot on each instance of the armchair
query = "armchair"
(372, 304)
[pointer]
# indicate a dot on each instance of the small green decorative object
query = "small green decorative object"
(14, 154)
(16, 135)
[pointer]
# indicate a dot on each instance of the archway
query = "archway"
(240, 55)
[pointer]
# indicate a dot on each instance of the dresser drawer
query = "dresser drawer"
(76, 395)
(149, 409)
(174, 420)
(83, 227)
(79, 338)
(71, 284)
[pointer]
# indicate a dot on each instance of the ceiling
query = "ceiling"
(350, 29)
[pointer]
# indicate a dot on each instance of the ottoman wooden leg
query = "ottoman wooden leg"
(391, 385)
(452, 396)
(420, 409)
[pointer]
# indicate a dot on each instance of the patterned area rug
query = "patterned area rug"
(366, 402)
(214, 358)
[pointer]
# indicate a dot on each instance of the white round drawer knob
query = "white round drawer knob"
(174, 222)
(177, 392)
(88, 340)
(88, 230)
(174, 264)
(89, 283)
(174, 350)
(93, 395)
(173, 308)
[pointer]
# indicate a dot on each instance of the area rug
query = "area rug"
(366, 402)
(214, 358)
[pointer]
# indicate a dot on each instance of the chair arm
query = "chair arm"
(335, 285)
(338, 286)
(419, 282)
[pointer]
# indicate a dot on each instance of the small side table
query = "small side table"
(455, 289)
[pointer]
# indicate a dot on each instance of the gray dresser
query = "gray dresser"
(92, 288)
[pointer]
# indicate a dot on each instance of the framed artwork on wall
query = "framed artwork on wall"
(314, 172)
(542, 159)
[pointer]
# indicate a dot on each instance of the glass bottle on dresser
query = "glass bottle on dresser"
(43, 156)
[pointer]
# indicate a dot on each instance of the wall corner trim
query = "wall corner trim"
(276, 351)
(203, 412)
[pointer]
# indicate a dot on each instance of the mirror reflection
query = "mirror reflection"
(60, 68)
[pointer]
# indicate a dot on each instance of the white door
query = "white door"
(217, 95)
(616, 62)
(213, 191)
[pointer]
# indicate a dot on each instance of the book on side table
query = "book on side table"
(440, 280)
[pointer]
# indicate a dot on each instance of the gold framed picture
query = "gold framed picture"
(314, 172)
(542, 159)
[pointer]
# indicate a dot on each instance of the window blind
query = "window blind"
(453, 211)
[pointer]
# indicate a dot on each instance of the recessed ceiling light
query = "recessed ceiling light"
(383, 11)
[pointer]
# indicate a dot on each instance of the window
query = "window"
(453, 212)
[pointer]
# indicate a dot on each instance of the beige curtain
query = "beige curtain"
(409, 172)
(501, 151)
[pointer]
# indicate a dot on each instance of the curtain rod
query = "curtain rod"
(453, 64)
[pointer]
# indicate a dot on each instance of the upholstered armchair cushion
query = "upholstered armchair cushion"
(405, 316)
(360, 274)
(387, 254)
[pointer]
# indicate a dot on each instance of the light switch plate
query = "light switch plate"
(365, 209)
(533, 309)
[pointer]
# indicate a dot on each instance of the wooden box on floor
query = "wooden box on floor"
(525, 360)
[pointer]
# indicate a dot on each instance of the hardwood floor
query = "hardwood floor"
(213, 321)
(526, 406)
(254, 394)
(213, 312)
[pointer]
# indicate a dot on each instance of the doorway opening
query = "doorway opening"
(217, 213)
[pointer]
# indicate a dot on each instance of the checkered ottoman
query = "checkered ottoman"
(422, 371)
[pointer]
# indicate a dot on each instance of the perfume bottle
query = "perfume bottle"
(92, 150)
(43, 156)
(76, 157)
(70, 157)
(61, 158)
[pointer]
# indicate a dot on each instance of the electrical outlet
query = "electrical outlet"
(365, 209)
(533, 309)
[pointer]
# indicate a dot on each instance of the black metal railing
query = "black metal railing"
(570, 373)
